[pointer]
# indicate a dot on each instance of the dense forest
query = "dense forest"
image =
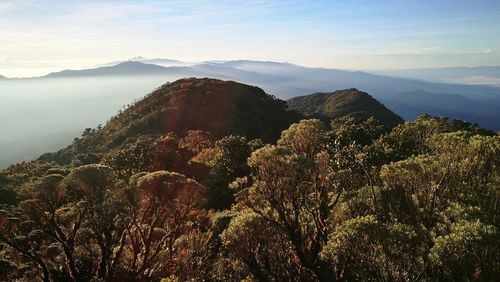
(207, 180)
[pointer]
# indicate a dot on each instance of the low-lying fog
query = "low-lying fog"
(44, 115)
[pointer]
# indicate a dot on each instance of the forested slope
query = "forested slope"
(351, 200)
(348, 102)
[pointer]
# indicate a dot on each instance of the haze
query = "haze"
(44, 115)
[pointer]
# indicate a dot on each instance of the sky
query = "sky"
(37, 37)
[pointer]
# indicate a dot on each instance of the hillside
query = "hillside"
(214, 202)
(348, 102)
(219, 107)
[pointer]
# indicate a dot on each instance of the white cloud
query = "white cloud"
(487, 51)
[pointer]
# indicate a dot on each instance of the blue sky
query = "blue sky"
(41, 36)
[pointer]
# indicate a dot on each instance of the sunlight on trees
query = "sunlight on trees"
(352, 201)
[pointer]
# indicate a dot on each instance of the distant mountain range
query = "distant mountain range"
(407, 97)
(156, 61)
(300, 80)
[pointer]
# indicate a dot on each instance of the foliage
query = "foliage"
(363, 248)
(228, 163)
(355, 200)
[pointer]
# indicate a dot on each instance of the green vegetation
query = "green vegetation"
(348, 102)
(349, 200)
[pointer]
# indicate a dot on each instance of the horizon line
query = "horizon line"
(139, 59)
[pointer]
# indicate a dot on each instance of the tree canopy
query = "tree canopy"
(352, 200)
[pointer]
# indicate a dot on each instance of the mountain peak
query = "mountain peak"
(347, 102)
(218, 106)
(135, 64)
(123, 68)
(130, 62)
